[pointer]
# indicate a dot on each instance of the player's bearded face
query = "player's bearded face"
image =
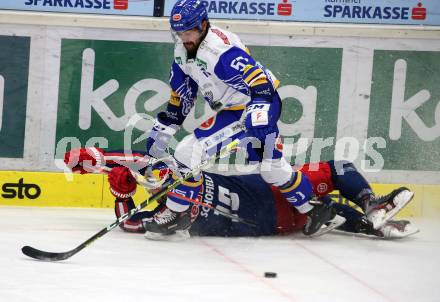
(191, 40)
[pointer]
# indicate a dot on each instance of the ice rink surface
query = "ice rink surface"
(126, 267)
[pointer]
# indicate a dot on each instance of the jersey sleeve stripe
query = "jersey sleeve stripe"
(294, 185)
(191, 184)
(259, 81)
(254, 74)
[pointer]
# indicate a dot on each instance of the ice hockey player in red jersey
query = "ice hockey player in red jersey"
(248, 197)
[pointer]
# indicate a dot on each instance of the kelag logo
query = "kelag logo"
(96, 4)
(20, 190)
(280, 8)
(359, 11)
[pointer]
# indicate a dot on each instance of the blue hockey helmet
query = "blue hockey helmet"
(187, 14)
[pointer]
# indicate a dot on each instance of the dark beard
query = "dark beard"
(192, 53)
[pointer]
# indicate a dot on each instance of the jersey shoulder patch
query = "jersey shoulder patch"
(221, 35)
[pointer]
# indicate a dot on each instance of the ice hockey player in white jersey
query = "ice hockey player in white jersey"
(216, 64)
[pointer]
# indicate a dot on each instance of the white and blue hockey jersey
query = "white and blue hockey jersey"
(223, 72)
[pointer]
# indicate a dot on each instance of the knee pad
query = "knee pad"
(276, 171)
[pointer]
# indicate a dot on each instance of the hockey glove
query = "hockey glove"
(85, 160)
(160, 136)
(260, 119)
(122, 182)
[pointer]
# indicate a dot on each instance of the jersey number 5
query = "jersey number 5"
(239, 63)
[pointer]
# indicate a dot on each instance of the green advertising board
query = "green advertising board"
(14, 70)
(97, 81)
(405, 108)
(103, 83)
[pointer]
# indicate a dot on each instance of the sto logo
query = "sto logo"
(20, 190)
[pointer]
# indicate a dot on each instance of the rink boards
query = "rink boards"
(48, 189)
(367, 94)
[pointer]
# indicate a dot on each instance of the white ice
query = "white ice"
(126, 267)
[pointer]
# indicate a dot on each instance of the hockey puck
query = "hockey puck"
(270, 275)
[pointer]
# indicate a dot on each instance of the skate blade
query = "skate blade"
(331, 225)
(400, 201)
(409, 230)
(177, 236)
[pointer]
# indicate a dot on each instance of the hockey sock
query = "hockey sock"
(355, 220)
(189, 189)
(298, 191)
(350, 183)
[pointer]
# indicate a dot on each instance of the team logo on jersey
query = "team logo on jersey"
(221, 35)
(194, 212)
(322, 187)
(208, 123)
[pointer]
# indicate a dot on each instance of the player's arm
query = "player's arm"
(239, 70)
(168, 122)
(96, 160)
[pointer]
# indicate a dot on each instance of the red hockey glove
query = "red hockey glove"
(122, 182)
(85, 160)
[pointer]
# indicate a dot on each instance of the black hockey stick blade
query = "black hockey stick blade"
(49, 256)
(46, 256)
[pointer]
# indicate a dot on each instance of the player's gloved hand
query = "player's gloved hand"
(160, 136)
(85, 160)
(261, 119)
(122, 182)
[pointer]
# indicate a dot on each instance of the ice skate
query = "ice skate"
(395, 229)
(167, 225)
(321, 219)
(381, 209)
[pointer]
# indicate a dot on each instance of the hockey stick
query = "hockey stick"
(50, 256)
(233, 217)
